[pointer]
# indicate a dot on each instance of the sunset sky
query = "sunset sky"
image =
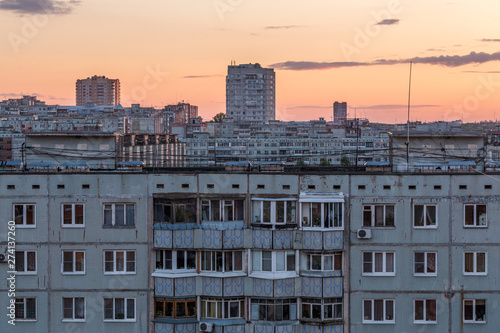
(166, 51)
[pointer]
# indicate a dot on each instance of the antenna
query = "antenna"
(408, 126)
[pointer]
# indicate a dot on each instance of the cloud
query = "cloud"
(396, 106)
(310, 107)
(276, 27)
(39, 6)
(443, 60)
(435, 50)
(201, 76)
(490, 40)
(482, 72)
(388, 22)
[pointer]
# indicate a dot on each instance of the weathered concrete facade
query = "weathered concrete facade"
(252, 252)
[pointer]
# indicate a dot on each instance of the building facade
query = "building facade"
(339, 112)
(250, 93)
(98, 90)
(250, 252)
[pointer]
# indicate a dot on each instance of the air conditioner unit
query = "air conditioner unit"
(364, 234)
(206, 327)
(3, 257)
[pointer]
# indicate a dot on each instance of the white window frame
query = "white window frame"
(73, 308)
(222, 305)
(426, 259)
(222, 203)
(258, 216)
(474, 263)
(25, 258)
(308, 261)
(384, 304)
(257, 255)
(174, 261)
(325, 207)
(73, 271)
(474, 321)
(125, 262)
(475, 222)
(24, 305)
(125, 319)
(73, 223)
(384, 263)
(323, 199)
(334, 302)
(113, 214)
(213, 261)
(371, 208)
(425, 305)
(424, 213)
(24, 224)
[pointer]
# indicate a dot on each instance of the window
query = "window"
(424, 311)
(222, 261)
(474, 310)
(424, 216)
(177, 309)
(222, 210)
(119, 262)
(73, 309)
(73, 262)
(475, 215)
(25, 262)
(120, 309)
(175, 211)
(378, 311)
(425, 263)
(274, 211)
(273, 261)
(119, 214)
(175, 260)
(378, 216)
(222, 308)
(378, 263)
(273, 309)
(24, 215)
(475, 263)
(322, 262)
(73, 215)
(322, 215)
(322, 309)
(25, 308)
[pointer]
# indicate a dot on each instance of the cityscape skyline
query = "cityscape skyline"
(358, 52)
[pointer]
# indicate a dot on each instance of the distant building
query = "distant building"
(437, 152)
(98, 90)
(339, 112)
(250, 93)
(98, 150)
(182, 112)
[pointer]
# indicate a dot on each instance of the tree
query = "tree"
(324, 162)
(300, 163)
(344, 161)
(218, 117)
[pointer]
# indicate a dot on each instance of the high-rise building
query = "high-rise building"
(250, 93)
(98, 90)
(339, 112)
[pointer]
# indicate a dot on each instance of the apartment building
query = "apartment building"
(238, 251)
(98, 90)
(250, 93)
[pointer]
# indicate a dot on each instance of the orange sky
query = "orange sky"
(167, 51)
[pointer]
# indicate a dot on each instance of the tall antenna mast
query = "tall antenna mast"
(408, 126)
